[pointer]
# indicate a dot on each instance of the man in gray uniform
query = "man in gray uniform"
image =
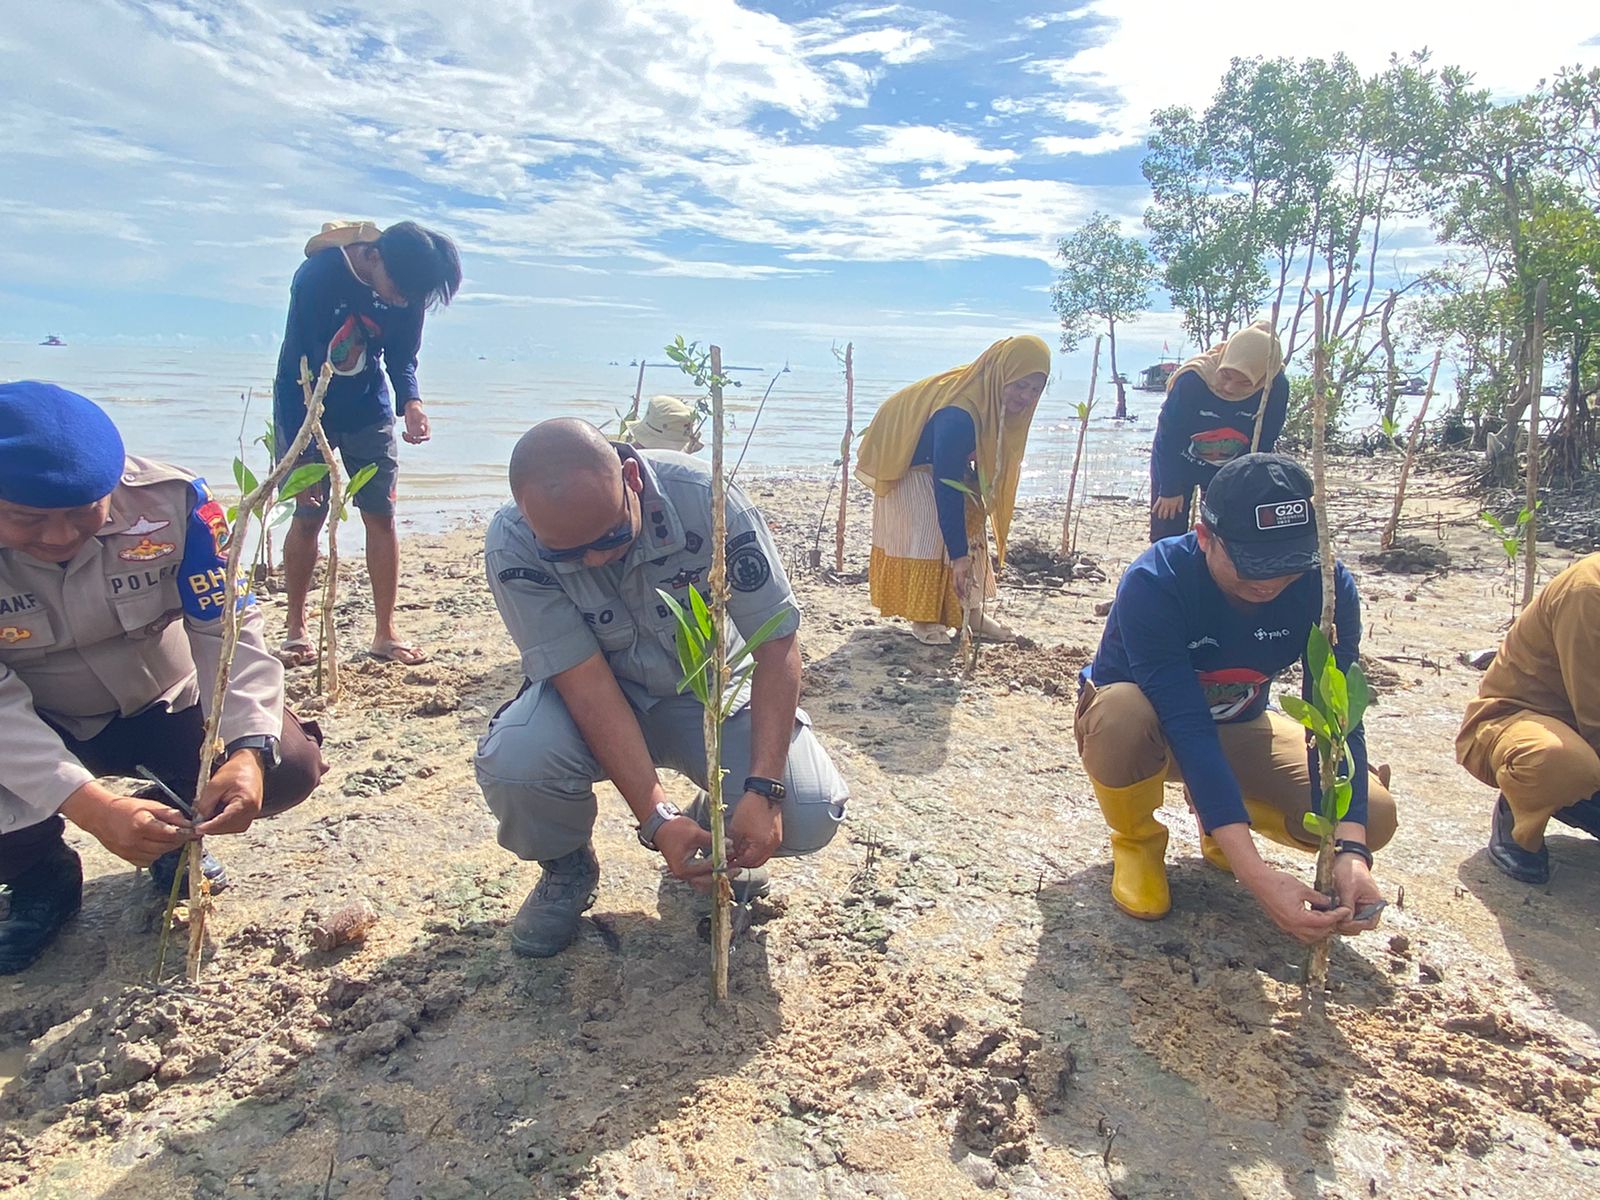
(112, 574)
(574, 563)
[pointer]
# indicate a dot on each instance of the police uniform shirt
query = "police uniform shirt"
(133, 620)
(561, 613)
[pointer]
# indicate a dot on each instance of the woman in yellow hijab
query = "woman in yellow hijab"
(1209, 418)
(969, 423)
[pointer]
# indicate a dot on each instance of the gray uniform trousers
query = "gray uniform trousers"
(538, 774)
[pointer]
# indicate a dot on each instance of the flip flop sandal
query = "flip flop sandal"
(297, 652)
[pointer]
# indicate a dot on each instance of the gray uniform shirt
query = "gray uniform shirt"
(560, 614)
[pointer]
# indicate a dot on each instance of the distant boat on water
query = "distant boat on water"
(52, 340)
(1154, 379)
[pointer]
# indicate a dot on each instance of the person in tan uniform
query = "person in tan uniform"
(112, 576)
(1534, 730)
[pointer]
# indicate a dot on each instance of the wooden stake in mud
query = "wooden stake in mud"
(1317, 963)
(1535, 387)
(253, 504)
(1393, 526)
(328, 642)
(844, 453)
(638, 395)
(1067, 540)
(717, 583)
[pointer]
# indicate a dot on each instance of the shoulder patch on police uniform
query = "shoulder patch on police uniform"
(692, 541)
(531, 574)
(741, 539)
(748, 568)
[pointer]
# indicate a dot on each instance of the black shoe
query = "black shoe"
(1525, 866)
(34, 908)
(1584, 815)
(165, 867)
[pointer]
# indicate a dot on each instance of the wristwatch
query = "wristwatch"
(665, 811)
(1351, 846)
(265, 746)
(770, 788)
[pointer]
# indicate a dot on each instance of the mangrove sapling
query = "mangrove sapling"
(1510, 540)
(697, 365)
(1393, 526)
(1085, 407)
(1331, 705)
(1316, 973)
(719, 683)
(339, 498)
(754, 421)
(702, 652)
(253, 504)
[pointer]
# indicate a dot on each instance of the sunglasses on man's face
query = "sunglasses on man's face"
(619, 536)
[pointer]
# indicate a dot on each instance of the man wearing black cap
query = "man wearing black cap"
(112, 577)
(1178, 691)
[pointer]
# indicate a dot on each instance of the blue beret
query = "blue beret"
(57, 448)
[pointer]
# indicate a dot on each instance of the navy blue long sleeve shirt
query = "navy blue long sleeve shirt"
(1198, 432)
(947, 444)
(335, 317)
(1201, 661)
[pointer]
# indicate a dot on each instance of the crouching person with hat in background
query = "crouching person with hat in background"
(112, 572)
(575, 562)
(1200, 627)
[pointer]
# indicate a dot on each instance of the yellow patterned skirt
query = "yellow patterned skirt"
(910, 571)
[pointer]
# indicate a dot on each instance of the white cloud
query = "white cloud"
(1148, 54)
(942, 151)
(511, 300)
(893, 46)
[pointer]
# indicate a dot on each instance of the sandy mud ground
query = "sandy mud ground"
(943, 1004)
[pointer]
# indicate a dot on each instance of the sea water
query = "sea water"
(195, 407)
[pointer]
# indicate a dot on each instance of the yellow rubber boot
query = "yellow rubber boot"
(1213, 853)
(1138, 847)
(1266, 820)
(1271, 824)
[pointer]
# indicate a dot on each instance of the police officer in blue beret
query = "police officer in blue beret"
(112, 581)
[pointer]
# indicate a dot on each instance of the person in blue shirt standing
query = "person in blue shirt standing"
(360, 295)
(1200, 627)
(1209, 418)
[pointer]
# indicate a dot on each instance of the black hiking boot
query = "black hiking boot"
(548, 919)
(34, 908)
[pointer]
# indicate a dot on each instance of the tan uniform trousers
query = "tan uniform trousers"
(1121, 743)
(1540, 764)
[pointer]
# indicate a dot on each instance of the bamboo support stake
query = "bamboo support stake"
(1393, 526)
(328, 642)
(1067, 539)
(1317, 963)
(199, 902)
(717, 582)
(844, 453)
(1535, 387)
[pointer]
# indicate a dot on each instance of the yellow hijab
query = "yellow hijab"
(1253, 351)
(891, 439)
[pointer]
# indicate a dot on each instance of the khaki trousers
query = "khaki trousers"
(1120, 742)
(1540, 765)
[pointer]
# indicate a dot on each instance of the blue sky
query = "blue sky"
(778, 175)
